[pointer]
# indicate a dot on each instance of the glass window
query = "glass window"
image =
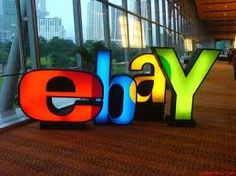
(144, 8)
(161, 15)
(92, 20)
(162, 37)
(167, 13)
(176, 20)
(133, 6)
(93, 32)
(119, 40)
(145, 33)
(7, 35)
(134, 32)
(153, 10)
(154, 35)
(116, 2)
(181, 44)
(172, 13)
(180, 23)
(7, 32)
(56, 33)
(173, 39)
(134, 35)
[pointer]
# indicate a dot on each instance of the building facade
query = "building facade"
(95, 28)
(41, 8)
(7, 20)
(50, 27)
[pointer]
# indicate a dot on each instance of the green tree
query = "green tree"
(61, 52)
(43, 45)
(88, 52)
(117, 52)
(4, 52)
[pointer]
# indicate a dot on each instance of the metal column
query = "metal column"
(78, 29)
(106, 25)
(33, 33)
(10, 83)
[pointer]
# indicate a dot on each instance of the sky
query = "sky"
(64, 9)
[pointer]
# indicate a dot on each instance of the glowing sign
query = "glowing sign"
(157, 77)
(124, 82)
(184, 84)
(37, 88)
(113, 100)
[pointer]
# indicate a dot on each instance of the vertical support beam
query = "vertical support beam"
(20, 35)
(174, 25)
(106, 26)
(126, 50)
(164, 22)
(138, 6)
(9, 86)
(149, 23)
(33, 33)
(169, 35)
(78, 29)
(157, 19)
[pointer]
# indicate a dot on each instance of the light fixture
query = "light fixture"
(188, 44)
(235, 42)
(123, 30)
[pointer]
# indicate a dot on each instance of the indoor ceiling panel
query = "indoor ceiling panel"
(219, 17)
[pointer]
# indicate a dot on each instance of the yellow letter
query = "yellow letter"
(159, 81)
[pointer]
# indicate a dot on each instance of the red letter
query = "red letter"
(37, 88)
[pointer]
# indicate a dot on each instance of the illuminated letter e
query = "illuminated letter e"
(37, 88)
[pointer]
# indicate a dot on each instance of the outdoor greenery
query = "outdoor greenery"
(57, 52)
(88, 52)
(61, 53)
(4, 52)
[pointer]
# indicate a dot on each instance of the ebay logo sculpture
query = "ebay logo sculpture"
(95, 93)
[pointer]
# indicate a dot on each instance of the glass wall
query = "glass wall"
(119, 39)
(69, 30)
(127, 27)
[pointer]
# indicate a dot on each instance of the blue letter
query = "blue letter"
(129, 92)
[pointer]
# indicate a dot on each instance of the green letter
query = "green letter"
(184, 83)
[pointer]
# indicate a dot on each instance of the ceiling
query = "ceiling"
(219, 17)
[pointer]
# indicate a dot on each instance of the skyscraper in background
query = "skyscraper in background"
(7, 20)
(1, 7)
(144, 10)
(48, 27)
(114, 24)
(41, 8)
(1, 14)
(95, 29)
(145, 27)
